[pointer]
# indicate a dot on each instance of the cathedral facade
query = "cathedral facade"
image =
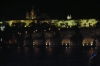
(31, 15)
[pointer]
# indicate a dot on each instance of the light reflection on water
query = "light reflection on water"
(46, 55)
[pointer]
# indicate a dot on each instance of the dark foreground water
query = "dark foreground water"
(48, 56)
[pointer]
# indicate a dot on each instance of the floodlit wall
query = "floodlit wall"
(62, 23)
(87, 22)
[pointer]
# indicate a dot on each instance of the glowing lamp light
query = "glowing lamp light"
(25, 26)
(49, 28)
(46, 43)
(49, 43)
(66, 43)
(91, 44)
(33, 43)
(83, 44)
(1, 39)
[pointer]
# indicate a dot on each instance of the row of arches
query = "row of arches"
(87, 39)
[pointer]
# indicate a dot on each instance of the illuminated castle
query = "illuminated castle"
(31, 15)
(69, 17)
(41, 18)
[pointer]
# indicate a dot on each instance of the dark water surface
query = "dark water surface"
(48, 56)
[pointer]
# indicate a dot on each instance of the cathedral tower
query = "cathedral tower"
(31, 15)
(27, 16)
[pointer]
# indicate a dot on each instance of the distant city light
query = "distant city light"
(66, 43)
(2, 28)
(1, 39)
(83, 44)
(49, 28)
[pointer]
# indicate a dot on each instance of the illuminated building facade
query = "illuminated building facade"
(68, 23)
(31, 15)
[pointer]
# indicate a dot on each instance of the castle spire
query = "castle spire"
(32, 13)
(69, 16)
(27, 15)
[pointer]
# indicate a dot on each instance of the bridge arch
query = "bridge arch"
(66, 38)
(90, 39)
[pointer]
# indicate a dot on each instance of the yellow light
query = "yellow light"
(91, 44)
(25, 26)
(49, 43)
(0, 22)
(83, 44)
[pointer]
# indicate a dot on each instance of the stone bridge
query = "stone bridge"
(71, 36)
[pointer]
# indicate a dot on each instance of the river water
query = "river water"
(48, 56)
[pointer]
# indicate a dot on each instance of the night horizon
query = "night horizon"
(54, 9)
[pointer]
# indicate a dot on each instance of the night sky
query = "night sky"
(16, 9)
